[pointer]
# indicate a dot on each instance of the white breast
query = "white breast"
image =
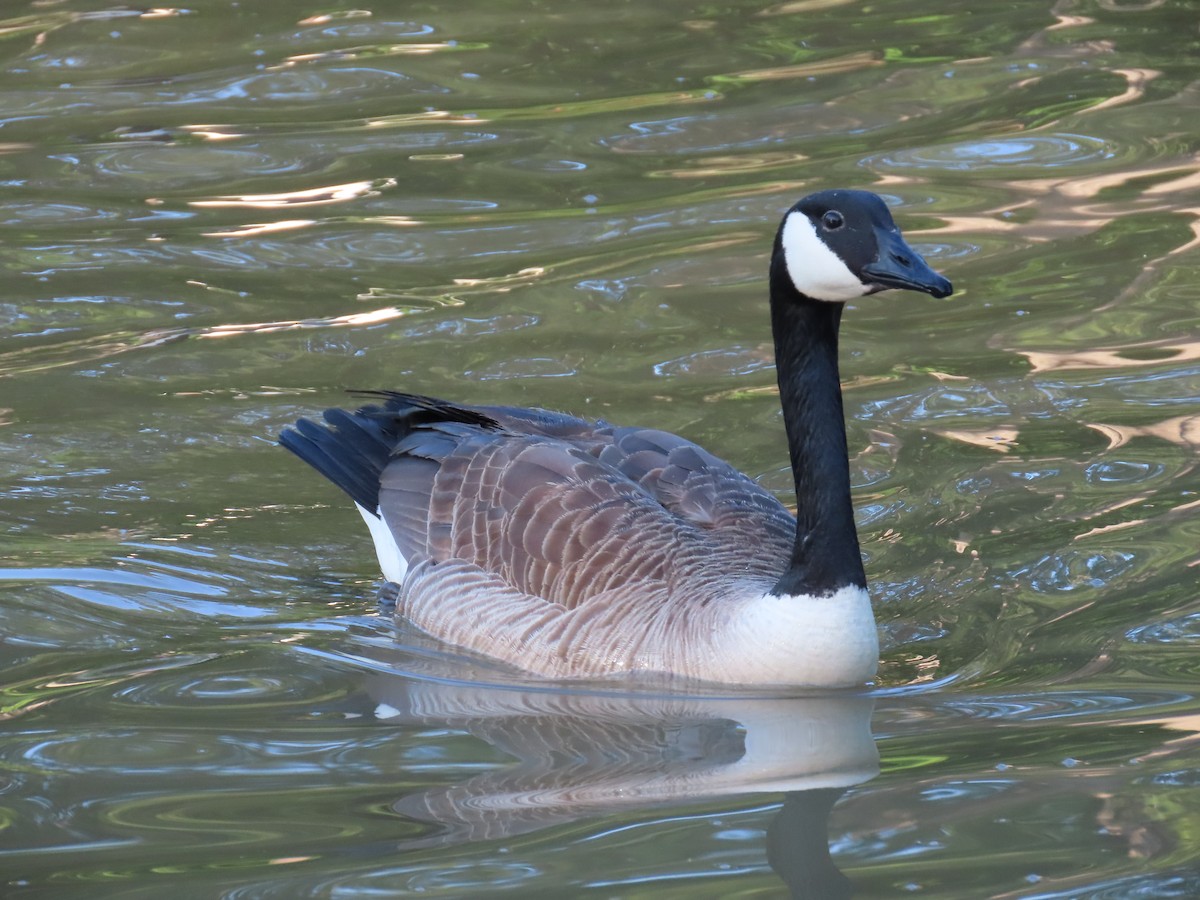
(820, 641)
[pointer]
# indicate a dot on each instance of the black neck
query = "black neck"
(825, 556)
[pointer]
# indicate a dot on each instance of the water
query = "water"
(214, 219)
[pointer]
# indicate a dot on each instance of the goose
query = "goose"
(577, 549)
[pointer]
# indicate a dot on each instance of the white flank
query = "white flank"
(816, 641)
(816, 270)
(391, 563)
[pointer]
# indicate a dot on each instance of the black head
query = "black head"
(840, 244)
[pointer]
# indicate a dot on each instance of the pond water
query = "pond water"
(217, 218)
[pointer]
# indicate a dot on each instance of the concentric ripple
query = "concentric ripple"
(1026, 151)
(230, 688)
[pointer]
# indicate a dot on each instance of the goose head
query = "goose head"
(840, 244)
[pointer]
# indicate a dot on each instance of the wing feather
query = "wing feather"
(551, 506)
(704, 489)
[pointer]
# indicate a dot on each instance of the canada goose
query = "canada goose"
(572, 549)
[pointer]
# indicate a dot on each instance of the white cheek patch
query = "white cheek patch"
(816, 271)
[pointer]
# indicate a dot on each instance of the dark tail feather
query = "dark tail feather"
(352, 448)
(421, 410)
(351, 452)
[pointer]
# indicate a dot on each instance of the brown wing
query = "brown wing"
(703, 489)
(547, 518)
(681, 475)
(554, 506)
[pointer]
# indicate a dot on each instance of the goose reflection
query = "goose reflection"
(579, 755)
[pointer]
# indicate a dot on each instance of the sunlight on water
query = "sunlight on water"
(215, 219)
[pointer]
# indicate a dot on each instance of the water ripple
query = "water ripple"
(709, 364)
(129, 750)
(40, 215)
(1184, 630)
(233, 687)
(526, 367)
(357, 25)
(471, 327)
(1176, 883)
(1026, 151)
(1071, 570)
(1047, 705)
(1117, 471)
(939, 402)
(164, 166)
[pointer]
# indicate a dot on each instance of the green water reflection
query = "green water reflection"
(214, 219)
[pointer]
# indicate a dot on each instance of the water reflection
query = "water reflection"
(337, 193)
(583, 755)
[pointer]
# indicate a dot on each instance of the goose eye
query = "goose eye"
(832, 220)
